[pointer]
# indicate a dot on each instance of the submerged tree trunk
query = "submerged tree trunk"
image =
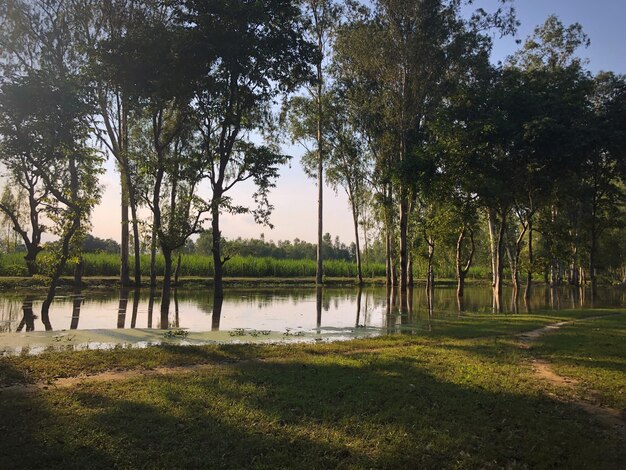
(167, 283)
(430, 275)
(404, 247)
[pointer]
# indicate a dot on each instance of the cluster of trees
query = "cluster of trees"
(449, 151)
(396, 102)
(282, 249)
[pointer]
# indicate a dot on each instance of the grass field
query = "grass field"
(463, 395)
(103, 264)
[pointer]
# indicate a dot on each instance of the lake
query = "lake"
(132, 317)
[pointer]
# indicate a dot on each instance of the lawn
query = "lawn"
(462, 395)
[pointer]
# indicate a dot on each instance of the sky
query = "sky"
(295, 195)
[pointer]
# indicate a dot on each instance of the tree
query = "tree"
(325, 17)
(413, 51)
(110, 20)
(258, 51)
(346, 159)
(159, 81)
(52, 125)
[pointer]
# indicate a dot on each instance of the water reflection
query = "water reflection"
(76, 304)
(319, 297)
(121, 309)
(133, 320)
(28, 318)
(279, 309)
(217, 313)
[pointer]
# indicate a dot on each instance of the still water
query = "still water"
(278, 310)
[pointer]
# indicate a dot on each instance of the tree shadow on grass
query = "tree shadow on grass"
(315, 412)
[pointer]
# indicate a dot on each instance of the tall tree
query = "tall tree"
(413, 51)
(42, 62)
(258, 50)
(110, 20)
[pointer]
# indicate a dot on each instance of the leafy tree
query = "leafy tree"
(412, 51)
(257, 51)
(43, 64)
(171, 164)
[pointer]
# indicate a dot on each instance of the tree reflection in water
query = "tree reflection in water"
(216, 316)
(28, 317)
(121, 309)
(77, 302)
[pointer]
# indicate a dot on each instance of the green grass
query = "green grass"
(461, 395)
(102, 264)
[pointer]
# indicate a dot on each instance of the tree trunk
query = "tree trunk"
(404, 247)
(592, 266)
(125, 238)
(358, 306)
(177, 270)
(492, 245)
(151, 305)
(430, 275)
(31, 258)
(167, 282)
(359, 270)
(499, 263)
(136, 239)
(218, 263)
(319, 297)
(153, 253)
(460, 275)
(136, 298)
(319, 273)
(216, 316)
(77, 301)
(529, 274)
(60, 267)
(79, 269)
(388, 266)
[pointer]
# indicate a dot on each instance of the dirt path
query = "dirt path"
(609, 417)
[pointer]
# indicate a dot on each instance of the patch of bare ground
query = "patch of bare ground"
(108, 376)
(607, 416)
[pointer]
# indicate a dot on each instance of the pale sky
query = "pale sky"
(295, 195)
